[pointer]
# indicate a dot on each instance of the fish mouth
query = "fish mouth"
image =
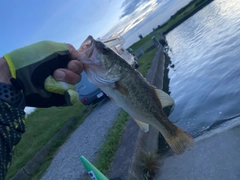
(86, 49)
(90, 52)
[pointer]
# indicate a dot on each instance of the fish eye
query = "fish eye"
(105, 50)
(102, 47)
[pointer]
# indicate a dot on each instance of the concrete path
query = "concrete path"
(215, 156)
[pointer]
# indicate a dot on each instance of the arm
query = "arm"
(12, 110)
(11, 120)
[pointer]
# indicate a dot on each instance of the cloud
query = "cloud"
(134, 12)
(130, 6)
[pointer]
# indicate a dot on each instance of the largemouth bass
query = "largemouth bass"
(130, 90)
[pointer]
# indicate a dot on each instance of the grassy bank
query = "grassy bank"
(182, 14)
(109, 147)
(145, 61)
(41, 126)
(141, 42)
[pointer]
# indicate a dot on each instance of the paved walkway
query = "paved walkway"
(215, 156)
(85, 141)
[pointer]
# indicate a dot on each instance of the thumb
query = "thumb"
(57, 87)
(63, 88)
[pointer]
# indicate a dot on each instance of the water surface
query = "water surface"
(205, 79)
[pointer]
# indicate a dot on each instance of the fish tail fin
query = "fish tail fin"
(180, 141)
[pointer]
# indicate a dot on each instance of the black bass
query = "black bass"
(130, 90)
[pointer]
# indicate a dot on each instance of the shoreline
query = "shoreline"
(175, 20)
(200, 7)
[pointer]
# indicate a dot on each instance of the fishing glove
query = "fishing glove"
(32, 68)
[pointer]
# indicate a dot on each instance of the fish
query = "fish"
(125, 86)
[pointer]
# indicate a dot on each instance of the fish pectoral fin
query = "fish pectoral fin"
(164, 98)
(121, 88)
(143, 126)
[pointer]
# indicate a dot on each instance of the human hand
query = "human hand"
(71, 74)
(32, 66)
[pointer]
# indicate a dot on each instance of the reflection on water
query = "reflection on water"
(205, 80)
(228, 10)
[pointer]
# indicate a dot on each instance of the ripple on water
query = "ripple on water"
(205, 79)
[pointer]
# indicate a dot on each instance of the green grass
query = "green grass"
(110, 145)
(145, 61)
(38, 173)
(41, 126)
(139, 43)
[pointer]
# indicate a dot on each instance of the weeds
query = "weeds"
(106, 152)
(149, 165)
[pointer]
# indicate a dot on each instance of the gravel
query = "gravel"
(85, 140)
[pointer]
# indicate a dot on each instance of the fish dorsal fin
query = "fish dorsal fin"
(165, 99)
(143, 126)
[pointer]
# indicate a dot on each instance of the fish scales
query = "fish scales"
(130, 90)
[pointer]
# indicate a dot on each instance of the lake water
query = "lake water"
(205, 78)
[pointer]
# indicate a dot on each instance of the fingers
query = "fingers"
(74, 53)
(72, 75)
(75, 66)
(67, 76)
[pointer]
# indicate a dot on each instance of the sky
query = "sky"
(26, 22)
